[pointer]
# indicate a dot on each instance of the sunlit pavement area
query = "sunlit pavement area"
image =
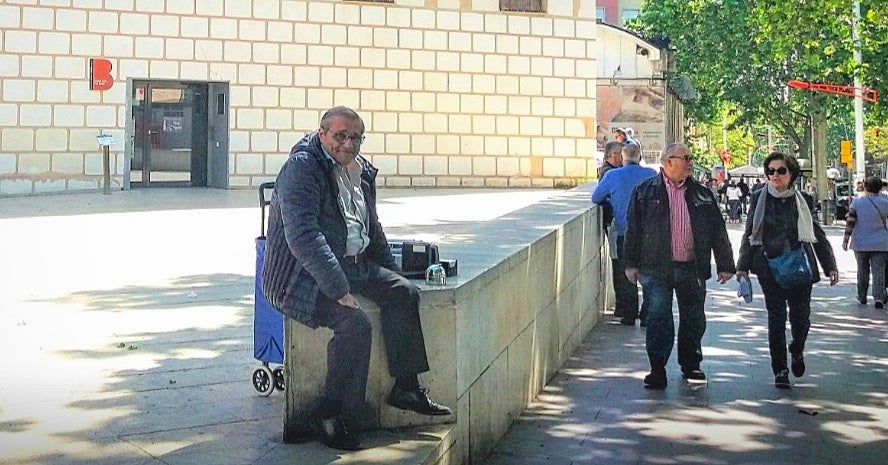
(126, 334)
(596, 410)
(126, 326)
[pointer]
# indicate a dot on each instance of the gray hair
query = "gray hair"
(670, 150)
(342, 111)
(631, 154)
(612, 147)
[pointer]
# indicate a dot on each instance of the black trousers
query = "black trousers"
(625, 291)
(348, 352)
(798, 299)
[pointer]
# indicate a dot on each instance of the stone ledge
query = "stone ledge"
(527, 293)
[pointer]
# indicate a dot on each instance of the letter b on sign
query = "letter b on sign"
(100, 74)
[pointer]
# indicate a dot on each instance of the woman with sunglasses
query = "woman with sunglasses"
(780, 221)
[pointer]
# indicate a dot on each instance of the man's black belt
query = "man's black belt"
(354, 259)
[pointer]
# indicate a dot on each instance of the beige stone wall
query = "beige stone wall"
(454, 93)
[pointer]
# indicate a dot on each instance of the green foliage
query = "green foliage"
(743, 52)
(708, 141)
(875, 139)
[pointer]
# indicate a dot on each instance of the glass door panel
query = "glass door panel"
(166, 121)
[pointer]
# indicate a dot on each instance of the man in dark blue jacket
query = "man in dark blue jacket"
(674, 226)
(325, 242)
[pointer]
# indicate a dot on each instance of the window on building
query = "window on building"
(629, 14)
(531, 6)
(599, 14)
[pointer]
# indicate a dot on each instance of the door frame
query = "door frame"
(217, 129)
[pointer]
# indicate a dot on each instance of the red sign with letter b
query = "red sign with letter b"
(100, 74)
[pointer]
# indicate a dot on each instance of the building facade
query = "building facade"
(636, 89)
(617, 12)
(214, 93)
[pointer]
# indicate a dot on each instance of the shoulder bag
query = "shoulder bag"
(791, 269)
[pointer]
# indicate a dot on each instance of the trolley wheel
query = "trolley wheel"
(263, 381)
(279, 382)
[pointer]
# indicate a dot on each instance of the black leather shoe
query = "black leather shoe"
(334, 433)
(798, 365)
(302, 431)
(416, 400)
(627, 322)
(781, 380)
(695, 375)
(655, 381)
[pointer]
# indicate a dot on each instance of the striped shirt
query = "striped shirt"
(679, 222)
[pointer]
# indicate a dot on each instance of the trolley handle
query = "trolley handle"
(263, 202)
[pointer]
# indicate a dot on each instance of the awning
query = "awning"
(748, 171)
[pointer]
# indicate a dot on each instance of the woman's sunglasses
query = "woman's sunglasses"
(781, 171)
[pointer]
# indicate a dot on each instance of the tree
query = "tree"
(744, 52)
(875, 139)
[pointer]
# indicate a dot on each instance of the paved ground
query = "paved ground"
(126, 326)
(126, 333)
(596, 410)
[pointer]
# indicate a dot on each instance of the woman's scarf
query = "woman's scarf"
(805, 223)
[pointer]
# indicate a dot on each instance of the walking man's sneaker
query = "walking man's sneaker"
(781, 380)
(694, 375)
(798, 365)
(655, 381)
(880, 304)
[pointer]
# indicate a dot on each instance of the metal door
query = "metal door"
(218, 134)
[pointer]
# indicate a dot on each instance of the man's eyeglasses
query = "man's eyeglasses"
(356, 139)
(781, 171)
(686, 158)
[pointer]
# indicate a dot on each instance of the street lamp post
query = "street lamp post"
(860, 156)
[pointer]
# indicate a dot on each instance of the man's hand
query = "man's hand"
(724, 276)
(833, 277)
(844, 246)
(742, 275)
(348, 301)
(632, 275)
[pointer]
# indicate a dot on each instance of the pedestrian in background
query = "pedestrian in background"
(674, 225)
(621, 135)
(781, 222)
(744, 195)
(733, 194)
(615, 189)
(867, 235)
(613, 158)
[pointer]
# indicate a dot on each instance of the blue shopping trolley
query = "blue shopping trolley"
(268, 323)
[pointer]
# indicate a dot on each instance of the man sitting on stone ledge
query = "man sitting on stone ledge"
(324, 243)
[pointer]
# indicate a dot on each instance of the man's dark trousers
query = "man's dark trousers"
(626, 292)
(348, 352)
(690, 292)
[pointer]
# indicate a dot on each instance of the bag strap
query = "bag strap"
(880, 212)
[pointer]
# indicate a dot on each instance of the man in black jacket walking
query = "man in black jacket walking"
(325, 242)
(674, 227)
